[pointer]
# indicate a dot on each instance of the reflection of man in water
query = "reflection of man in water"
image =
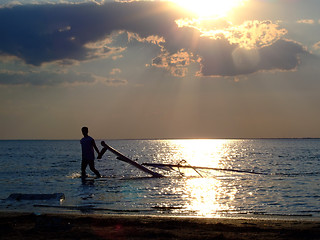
(88, 146)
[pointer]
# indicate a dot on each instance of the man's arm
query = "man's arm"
(95, 147)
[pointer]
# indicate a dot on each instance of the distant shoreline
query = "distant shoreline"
(154, 139)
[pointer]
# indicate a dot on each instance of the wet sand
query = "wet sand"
(77, 226)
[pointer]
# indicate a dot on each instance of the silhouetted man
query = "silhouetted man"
(88, 146)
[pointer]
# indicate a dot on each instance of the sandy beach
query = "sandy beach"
(76, 226)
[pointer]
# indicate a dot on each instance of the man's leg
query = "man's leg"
(92, 168)
(84, 165)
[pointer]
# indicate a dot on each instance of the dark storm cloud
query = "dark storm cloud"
(63, 32)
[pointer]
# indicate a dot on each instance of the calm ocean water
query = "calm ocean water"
(288, 186)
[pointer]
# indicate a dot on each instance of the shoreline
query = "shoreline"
(18, 225)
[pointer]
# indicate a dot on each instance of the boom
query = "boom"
(166, 166)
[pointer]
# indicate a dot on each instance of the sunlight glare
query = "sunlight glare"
(209, 8)
(209, 195)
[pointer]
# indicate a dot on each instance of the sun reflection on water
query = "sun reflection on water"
(204, 195)
(207, 196)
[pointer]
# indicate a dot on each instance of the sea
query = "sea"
(250, 178)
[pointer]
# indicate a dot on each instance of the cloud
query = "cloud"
(115, 82)
(46, 33)
(316, 46)
(69, 33)
(115, 71)
(306, 21)
(235, 50)
(230, 60)
(45, 78)
(175, 63)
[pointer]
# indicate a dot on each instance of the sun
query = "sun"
(209, 8)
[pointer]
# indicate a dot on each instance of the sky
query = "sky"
(159, 69)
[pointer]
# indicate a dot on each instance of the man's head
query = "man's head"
(85, 131)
